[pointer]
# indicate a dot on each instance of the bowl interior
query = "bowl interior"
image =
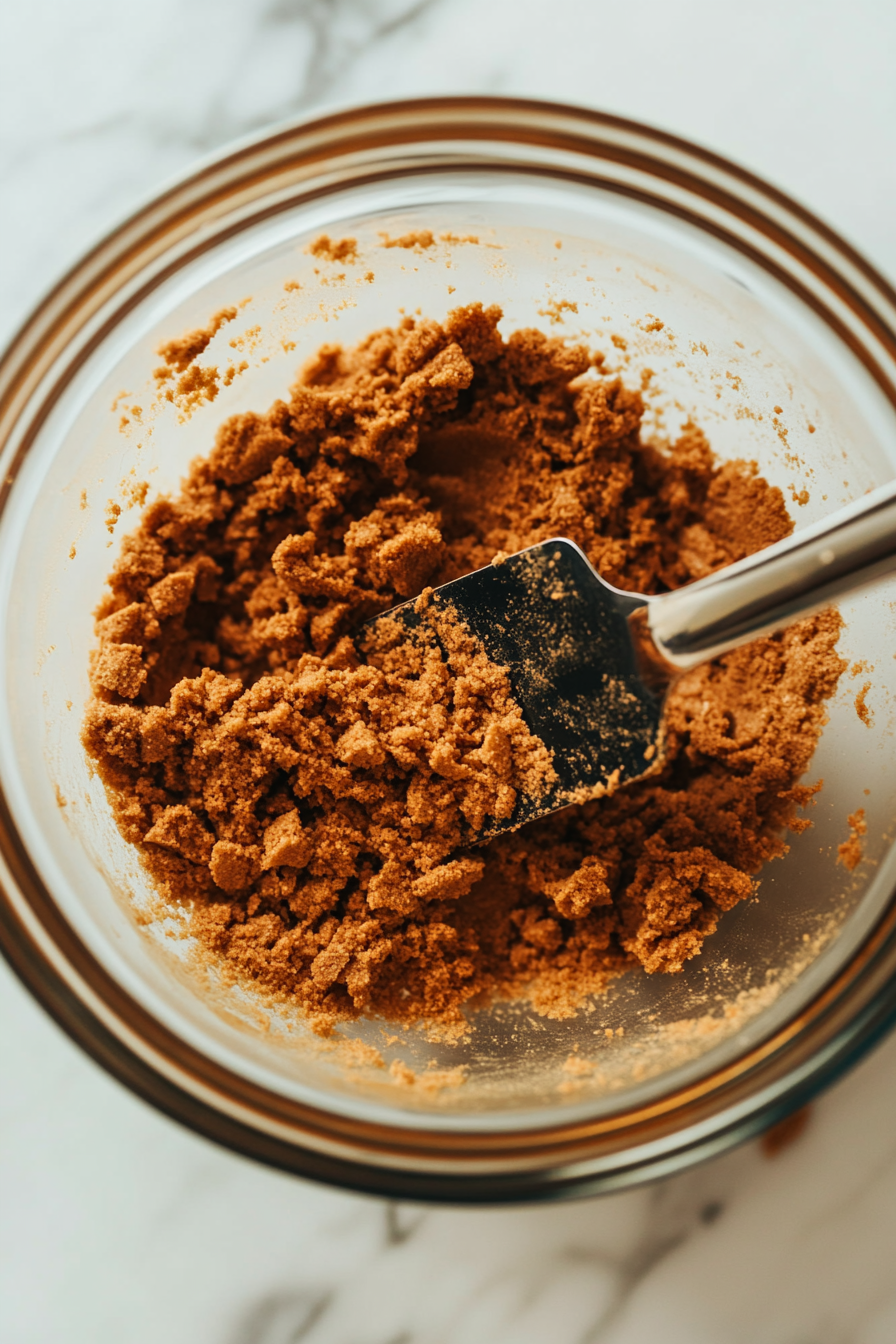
(581, 263)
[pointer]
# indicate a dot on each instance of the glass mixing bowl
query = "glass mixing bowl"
(740, 302)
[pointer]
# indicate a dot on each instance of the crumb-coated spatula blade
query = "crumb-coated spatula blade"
(564, 637)
(589, 664)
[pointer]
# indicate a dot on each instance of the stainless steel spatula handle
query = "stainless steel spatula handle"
(767, 591)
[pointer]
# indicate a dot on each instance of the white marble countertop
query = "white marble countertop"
(117, 1226)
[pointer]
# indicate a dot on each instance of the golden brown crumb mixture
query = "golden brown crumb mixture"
(861, 704)
(310, 806)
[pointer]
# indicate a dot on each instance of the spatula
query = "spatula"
(590, 664)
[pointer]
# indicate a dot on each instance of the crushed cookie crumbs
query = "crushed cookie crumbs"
(308, 804)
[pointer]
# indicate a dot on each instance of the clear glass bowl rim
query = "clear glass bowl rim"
(220, 197)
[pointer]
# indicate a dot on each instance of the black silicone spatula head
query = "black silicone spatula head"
(567, 643)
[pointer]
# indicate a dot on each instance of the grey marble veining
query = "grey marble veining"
(126, 1228)
(117, 1226)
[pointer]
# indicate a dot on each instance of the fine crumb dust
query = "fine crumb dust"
(417, 241)
(862, 708)
(556, 308)
(179, 354)
(328, 249)
(851, 853)
(180, 379)
(308, 807)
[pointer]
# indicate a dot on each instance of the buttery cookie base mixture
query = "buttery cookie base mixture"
(313, 808)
